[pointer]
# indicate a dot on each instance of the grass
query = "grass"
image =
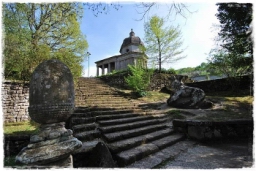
(10, 162)
(245, 99)
(154, 96)
(222, 115)
(236, 105)
(21, 128)
(175, 114)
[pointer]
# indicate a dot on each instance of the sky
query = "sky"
(105, 33)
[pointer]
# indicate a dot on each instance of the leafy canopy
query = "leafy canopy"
(162, 43)
(233, 54)
(35, 32)
(235, 24)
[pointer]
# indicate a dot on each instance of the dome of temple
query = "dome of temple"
(134, 40)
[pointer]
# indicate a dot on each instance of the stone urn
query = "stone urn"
(51, 103)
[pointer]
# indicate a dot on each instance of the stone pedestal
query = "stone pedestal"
(52, 144)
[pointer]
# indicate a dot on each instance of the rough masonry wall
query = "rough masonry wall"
(157, 81)
(244, 82)
(15, 95)
(15, 101)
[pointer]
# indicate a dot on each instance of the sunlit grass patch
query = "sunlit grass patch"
(175, 114)
(17, 128)
(245, 99)
(155, 96)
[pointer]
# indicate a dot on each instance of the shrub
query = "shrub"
(139, 79)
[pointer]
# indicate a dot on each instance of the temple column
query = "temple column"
(103, 70)
(97, 71)
(109, 69)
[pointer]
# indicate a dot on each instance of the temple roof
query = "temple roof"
(131, 40)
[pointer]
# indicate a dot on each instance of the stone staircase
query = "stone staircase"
(132, 132)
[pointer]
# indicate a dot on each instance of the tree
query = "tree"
(35, 32)
(144, 9)
(235, 36)
(101, 8)
(235, 23)
(162, 44)
(233, 54)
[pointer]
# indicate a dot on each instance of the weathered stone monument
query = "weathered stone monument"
(51, 103)
(185, 96)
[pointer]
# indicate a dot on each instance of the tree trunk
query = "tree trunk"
(159, 58)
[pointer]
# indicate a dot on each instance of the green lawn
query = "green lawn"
(21, 128)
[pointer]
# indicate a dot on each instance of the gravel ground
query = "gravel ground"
(215, 155)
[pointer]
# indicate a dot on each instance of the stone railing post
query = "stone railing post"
(51, 103)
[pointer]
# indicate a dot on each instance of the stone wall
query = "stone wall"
(115, 80)
(243, 82)
(209, 130)
(157, 81)
(15, 95)
(15, 102)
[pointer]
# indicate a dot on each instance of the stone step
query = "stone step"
(129, 156)
(128, 120)
(93, 81)
(87, 146)
(155, 160)
(110, 104)
(102, 97)
(82, 120)
(87, 135)
(106, 108)
(104, 114)
(104, 101)
(91, 85)
(113, 112)
(93, 93)
(88, 87)
(89, 96)
(84, 127)
(101, 110)
(110, 116)
(121, 127)
(120, 135)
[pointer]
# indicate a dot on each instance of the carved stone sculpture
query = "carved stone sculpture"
(185, 96)
(51, 99)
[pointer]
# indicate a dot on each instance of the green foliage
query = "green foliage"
(167, 71)
(139, 79)
(175, 114)
(162, 43)
(203, 69)
(226, 64)
(233, 55)
(37, 32)
(235, 27)
(10, 162)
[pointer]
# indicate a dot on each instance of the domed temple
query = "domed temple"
(130, 54)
